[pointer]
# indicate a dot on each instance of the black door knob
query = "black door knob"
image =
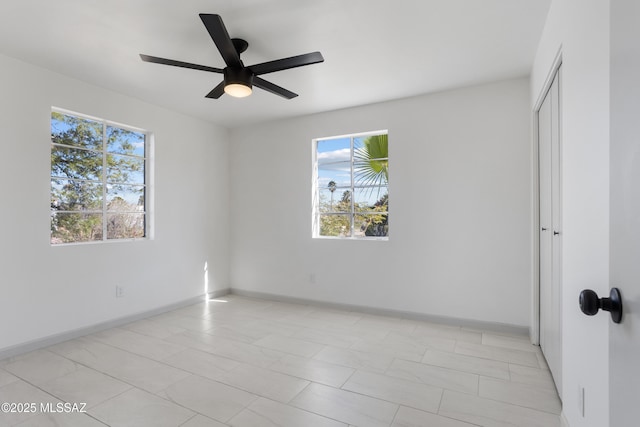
(590, 303)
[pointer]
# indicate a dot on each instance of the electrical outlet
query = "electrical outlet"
(581, 400)
(119, 292)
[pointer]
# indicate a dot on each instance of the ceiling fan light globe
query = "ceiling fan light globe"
(237, 90)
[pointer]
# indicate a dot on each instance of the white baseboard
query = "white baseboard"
(467, 323)
(76, 333)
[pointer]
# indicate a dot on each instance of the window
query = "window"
(98, 180)
(351, 186)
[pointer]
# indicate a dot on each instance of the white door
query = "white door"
(550, 236)
(624, 338)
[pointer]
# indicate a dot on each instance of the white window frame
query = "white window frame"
(316, 196)
(148, 196)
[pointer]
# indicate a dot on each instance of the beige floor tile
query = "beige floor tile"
(201, 363)
(40, 366)
(313, 370)
(73, 419)
(185, 322)
(508, 341)
(396, 390)
(470, 364)
(85, 386)
(143, 345)
(237, 350)
(409, 417)
(334, 339)
(542, 362)
(434, 375)
(354, 359)
(248, 332)
(130, 368)
(267, 413)
(406, 352)
(248, 353)
(202, 421)
(153, 329)
(533, 376)
(210, 398)
(253, 329)
(428, 329)
(237, 332)
(136, 408)
(469, 336)
(226, 317)
(20, 392)
(420, 343)
(264, 382)
(490, 413)
(290, 345)
(389, 323)
(305, 321)
(6, 378)
(89, 352)
(339, 317)
(526, 358)
(345, 406)
(520, 394)
(288, 308)
(199, 310)
(197, 340)
(363, 332)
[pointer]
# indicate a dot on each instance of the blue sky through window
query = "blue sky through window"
(334, 164)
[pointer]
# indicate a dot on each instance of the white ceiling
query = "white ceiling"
(374, 50)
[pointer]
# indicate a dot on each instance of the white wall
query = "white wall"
(580, 29)
(49, 290)
(460, 191)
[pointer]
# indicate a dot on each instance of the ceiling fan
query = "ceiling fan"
(239, 79)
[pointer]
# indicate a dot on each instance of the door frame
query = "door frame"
(534, 331)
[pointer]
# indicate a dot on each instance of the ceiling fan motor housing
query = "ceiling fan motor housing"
(242, 76)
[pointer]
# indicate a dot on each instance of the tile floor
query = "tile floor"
(236, 361)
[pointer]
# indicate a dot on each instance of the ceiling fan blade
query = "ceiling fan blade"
(220, 36)
(275, 89)
(164, 61)
(286, 63)
(217, 91)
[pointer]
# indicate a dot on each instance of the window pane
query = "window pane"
(339, 173)
(371, 225)
(125, 226)
(337, 201)
(72, 195)
(125, 198)
(125, 169)
(333, 151)
(75, 163)
(75, 227)
(335, 225)
(371, 160)
(372, 198)
(76, 131)
(124, 141)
